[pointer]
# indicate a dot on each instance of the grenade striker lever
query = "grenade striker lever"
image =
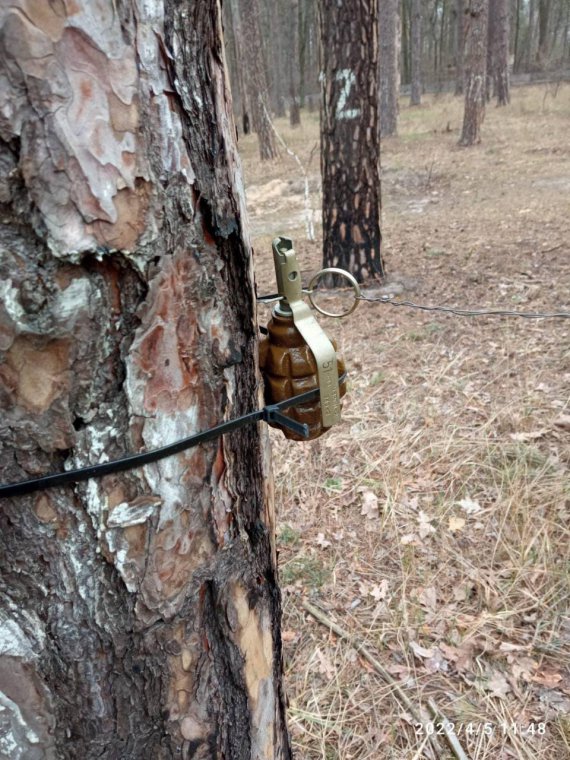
(289, 286)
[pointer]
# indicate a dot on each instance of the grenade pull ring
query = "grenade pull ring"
(290, 289)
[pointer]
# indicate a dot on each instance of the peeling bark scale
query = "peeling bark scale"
(139, 613)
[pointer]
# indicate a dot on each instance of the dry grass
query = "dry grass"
(454, 443)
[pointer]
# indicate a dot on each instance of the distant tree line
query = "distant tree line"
(354, 60)
(422, 36)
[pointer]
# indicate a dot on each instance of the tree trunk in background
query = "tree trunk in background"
(293, 54)
(475, 63)
(303, 44)
(275, 58)
(441, 43)
(416, 26)
(502, 52)
(406, 32)
(566, 37)
(389, 69)
(235, 19)
(460, 47)
(256, 78)
(516, 51)
(529, 55)
(139, 613)
(490, 88)
(544, 7)
(350, 145)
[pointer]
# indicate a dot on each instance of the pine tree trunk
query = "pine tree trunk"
(460, 47)
(257, 79)
(139, 613)
(416, 95)
(245, 98)
(475, 66)
(293, 54)
(303, 48)
(530, 53)
(350, 148)
(389, 68)
(543, 51)
(275, 57)
(517, 55)
(502, 52)
(491, 36)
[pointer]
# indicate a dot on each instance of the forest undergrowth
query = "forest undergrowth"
(432, 525)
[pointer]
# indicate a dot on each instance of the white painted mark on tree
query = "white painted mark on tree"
(342, 112)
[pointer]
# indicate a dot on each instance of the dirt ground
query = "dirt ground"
(432, 524)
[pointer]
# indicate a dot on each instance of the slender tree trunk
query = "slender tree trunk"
(274, 57)
(544, 7)
(230, 49)
(406, 77)
(517, 55)
(303, 45)
(491, 57)
(235, 18)
(441, 45)
(389, 69)
(475, 64)
(416, 96)
(293, 53)
(531, 34)
(566, 47)
(257, 79)
(460, 47)
(139, 613)
(350, 139)
(502, 52)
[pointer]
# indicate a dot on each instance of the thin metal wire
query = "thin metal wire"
(469, 312)
(446, 309)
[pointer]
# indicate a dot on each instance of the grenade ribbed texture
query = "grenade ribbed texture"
(289, 368)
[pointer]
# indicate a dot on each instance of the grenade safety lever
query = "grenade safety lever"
(296, 356)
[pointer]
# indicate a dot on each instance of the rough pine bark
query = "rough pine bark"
(256, 77)
(139, 613)
(389, 53)
(350, 139)
(475, 71)
(416, 28)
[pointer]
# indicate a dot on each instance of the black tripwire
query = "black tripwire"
(272, 413)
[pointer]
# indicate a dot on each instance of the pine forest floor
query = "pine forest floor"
(432, 524)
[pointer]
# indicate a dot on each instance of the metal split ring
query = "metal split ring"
(352, 282)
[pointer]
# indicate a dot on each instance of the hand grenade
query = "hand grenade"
(289, 369)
